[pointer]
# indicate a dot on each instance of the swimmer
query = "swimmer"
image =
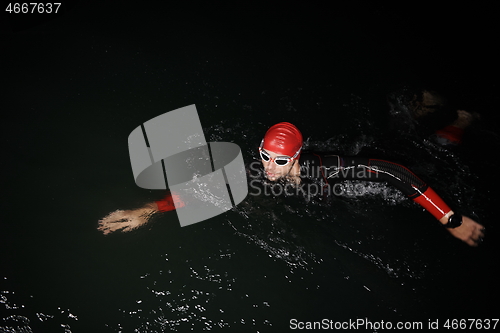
(428, 110)
(283, 162)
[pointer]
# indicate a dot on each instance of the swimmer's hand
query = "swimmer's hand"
(126, 220)
(465, 118)
(470, 231)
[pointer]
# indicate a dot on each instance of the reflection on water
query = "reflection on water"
(59, 318)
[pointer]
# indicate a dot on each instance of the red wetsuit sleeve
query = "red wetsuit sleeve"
(433, 203)
(169, 202)
(451, 133)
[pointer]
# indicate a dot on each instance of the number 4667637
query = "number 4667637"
(471, 324)
(33, 8)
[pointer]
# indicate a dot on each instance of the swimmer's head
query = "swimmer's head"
(284, 139)
(280, 149)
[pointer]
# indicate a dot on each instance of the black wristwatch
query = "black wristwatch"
(454, 221)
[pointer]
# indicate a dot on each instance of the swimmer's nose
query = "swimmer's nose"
(271, 166)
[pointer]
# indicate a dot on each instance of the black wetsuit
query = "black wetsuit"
(321, 172)
(329, 169)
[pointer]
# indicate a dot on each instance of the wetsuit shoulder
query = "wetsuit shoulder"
(322, 159)
(317, 165)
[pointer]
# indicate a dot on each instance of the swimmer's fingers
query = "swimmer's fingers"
(125, 220)
(468, 116)
(470, 232)
(108, 228)
(464, 114)
(117, 215)
(114, 221)
(478, 234)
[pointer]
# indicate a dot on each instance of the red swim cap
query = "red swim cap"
(283, 139)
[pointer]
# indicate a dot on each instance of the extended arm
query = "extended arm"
(127, 220)
(462, 227)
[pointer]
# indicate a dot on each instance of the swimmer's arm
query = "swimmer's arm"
(470, 231)
(127, 220)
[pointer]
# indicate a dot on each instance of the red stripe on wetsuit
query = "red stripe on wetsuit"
(169, 202)
(432, 203)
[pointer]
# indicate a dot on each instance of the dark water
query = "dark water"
(76, 86)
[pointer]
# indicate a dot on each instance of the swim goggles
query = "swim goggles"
(279, 160)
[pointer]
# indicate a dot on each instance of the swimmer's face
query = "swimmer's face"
(272, 171)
